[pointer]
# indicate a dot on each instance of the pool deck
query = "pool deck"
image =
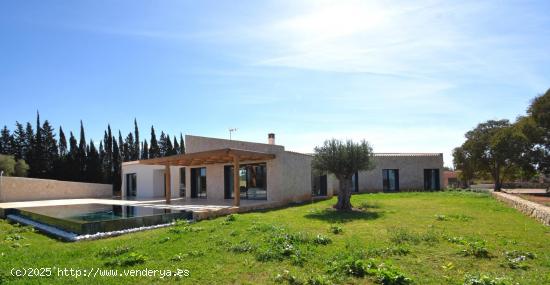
(201, 208)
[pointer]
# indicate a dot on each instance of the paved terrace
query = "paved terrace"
(201, 208)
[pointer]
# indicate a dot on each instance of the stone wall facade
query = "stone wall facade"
(531, 209)
(288, 175)
(15, 189)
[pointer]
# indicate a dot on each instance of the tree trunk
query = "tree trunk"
(498, 186)
(344, 195)
(497, 180)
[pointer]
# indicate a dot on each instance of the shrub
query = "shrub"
(516, 259)
(483, 279)
(390, 276)
(336, 229)
(351, 265)
(476, 248)
(388, 251)
(319, 280)
(177, 257)
(18, 228)
(430, 237)
(441, 218)
(288, 278)
(454, 217)
(461, 217)
(107, 252)
(321, 239)
(184, 229)
(456, 240)
(401, 235)
(164, 239)
(230, 218)
(14, 237)
(242, 247)
(130, 260)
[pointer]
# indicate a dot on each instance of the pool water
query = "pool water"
(94, 218)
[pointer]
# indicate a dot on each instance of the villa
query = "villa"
(267, 172)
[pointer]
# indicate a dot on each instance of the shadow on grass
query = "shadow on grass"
(333, 216)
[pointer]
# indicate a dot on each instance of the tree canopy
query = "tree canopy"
(343, 159)
(505, 150)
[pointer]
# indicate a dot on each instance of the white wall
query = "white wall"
(150, 180)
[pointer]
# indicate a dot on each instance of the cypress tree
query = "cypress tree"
(117, 182)
(6, 142)
(72, 171)
(145, 150)
(154, 150)
(62, 143)
(182, 144)
(50, 149)
(60, 165)
(108, 158)
(176, 146)
(136, 150)
(39, 165)
(19, 145)
(101, 159)
(169, 147)
(82, 153)
(163, 145)
(29, 151)
(93, 164)
(129, 148)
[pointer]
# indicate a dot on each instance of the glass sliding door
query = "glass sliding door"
(198, 182)
(390, 180)
(355, 183)
(252, 181)
(131, 185)
(431, 179)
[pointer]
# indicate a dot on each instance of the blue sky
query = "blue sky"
(408, 77)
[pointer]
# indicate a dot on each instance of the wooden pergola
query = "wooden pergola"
(225, 155)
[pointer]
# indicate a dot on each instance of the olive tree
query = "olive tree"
(496, 148)
(343, 159)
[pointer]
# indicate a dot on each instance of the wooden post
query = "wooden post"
(167, 184)
(236, 182)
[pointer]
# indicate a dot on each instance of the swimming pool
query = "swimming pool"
(94, 218)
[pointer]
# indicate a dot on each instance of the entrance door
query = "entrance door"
(131, 185)
(198, 182)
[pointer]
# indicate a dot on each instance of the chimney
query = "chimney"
(271, 138)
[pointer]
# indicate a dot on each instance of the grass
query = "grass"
(424, 238)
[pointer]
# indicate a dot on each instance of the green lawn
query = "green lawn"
(420, 235)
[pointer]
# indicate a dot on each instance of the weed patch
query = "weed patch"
(130, 260)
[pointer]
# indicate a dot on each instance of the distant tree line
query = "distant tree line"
(51, 156)
(507, 151)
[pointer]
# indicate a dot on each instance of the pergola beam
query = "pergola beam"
(225, 155)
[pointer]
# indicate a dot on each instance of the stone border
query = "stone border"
(531, 209)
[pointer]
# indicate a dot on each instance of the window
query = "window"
(182, 182)
(319, 185)
(390, 179)
(198, 182)
(252, 181)
(355, 183)
(431, 179)
(131, 185)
